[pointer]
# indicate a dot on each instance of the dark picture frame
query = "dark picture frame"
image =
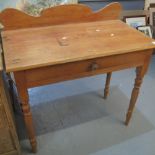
(135, 21)
(146, 30)
(152, 14)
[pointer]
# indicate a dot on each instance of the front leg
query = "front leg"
(21, 84)
(140, 72)
(135, 92)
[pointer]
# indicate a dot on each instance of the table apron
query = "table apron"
(73, 70)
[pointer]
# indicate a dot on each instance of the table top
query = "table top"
(43, 46)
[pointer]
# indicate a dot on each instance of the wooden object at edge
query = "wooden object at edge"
(9, 144)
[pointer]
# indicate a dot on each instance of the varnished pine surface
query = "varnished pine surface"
(61, 14)
(43, 46)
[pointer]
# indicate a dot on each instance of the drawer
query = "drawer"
(73, 70)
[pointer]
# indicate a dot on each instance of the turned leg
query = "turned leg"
(135, 92)
(23, 95)
(106, 89)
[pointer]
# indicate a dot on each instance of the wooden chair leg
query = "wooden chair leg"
(106, 89)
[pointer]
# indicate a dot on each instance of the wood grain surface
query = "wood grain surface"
(73, 70)
(62, 14)
(44, 46)
(9, 144)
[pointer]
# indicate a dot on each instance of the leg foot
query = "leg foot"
(34, 146)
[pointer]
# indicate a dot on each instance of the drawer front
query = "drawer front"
(73, 70)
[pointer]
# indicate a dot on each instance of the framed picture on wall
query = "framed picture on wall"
(147, 4)
(136, 21)
(152, 14)
(146, 30)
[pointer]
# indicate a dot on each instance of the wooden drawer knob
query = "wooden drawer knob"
(94, 66)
